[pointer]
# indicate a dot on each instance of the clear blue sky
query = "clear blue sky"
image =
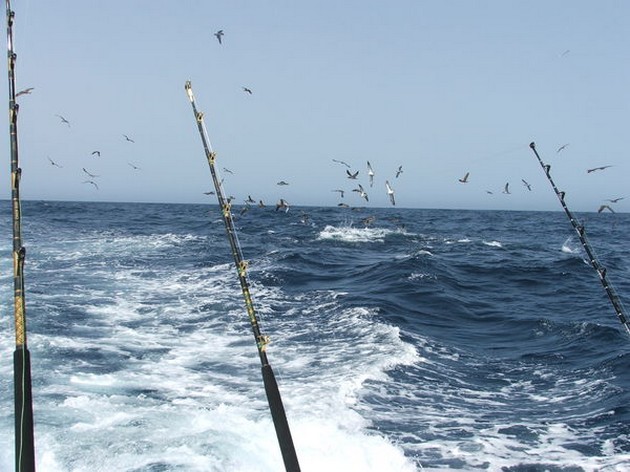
(439, 87)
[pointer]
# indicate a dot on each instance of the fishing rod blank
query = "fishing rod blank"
(276, 407)
(24, 442)
(581, 232)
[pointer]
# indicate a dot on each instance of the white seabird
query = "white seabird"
(390, 192)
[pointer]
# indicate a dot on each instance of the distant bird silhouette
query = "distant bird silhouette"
(63, 120)
(343, 205)
(282, 204)
(91, 175)
(219, 35)
(91, 182)
(489, 192)
(464, 179)
(26, 91)
(399, 171)
(53, 163)
(128, 138)
(98, 153)
(615, 200)
(209, 193)
(361, 192)
(526, 184)
(566, 51)
(246, 90)
(342, 162)
(605, 207)
(282, 182)
(250, 199)
(390, 192)
(261, 204)
(134, 166)
(351, 175)
(506, 189)
(370, 173)
(562, 147)
(597, 168)
(341, 192)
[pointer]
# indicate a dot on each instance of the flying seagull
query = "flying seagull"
(527, 184)
(209, 193)
(341, 192)
(597, 168)
(134, 166)
(351, 175)
(91, 175)
(63, 120)
(225, 169)
(342, 162)
(219, 34)
(562, 147)
(390, 192)
(250, 199)
(464, 179)
(26, 91)
(361, 192)
(370, 173)
(282, 182)
(98, 153)
(615, 200)
(282, 204)
(399, 171)
(246, 90)
(128, 138)
(91, 182)
(506, 190)
(53, 163)
(605, 207)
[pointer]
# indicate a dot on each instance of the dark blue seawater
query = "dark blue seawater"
(429, 340)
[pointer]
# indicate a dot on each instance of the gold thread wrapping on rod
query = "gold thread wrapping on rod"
(20, 331)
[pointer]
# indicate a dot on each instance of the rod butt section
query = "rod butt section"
(280, 422)
(24, 440)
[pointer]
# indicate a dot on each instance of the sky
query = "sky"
(441, 88)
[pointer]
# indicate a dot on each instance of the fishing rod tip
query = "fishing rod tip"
(532, 145)
(188, 88)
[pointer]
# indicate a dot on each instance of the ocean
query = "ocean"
(428, 340)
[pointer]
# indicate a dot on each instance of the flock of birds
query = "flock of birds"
(359, 189)
(350, 174)
(89, 175)
(506, 188)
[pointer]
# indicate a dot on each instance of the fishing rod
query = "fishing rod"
(24, 441)
(581, 232)
(278, 414)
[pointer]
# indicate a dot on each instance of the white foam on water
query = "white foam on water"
(493, 243)
(569, 247)
(163, 372)
(351, 234)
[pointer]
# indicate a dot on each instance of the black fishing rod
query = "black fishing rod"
(271, 386)
(581, 232)
(24, 442)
